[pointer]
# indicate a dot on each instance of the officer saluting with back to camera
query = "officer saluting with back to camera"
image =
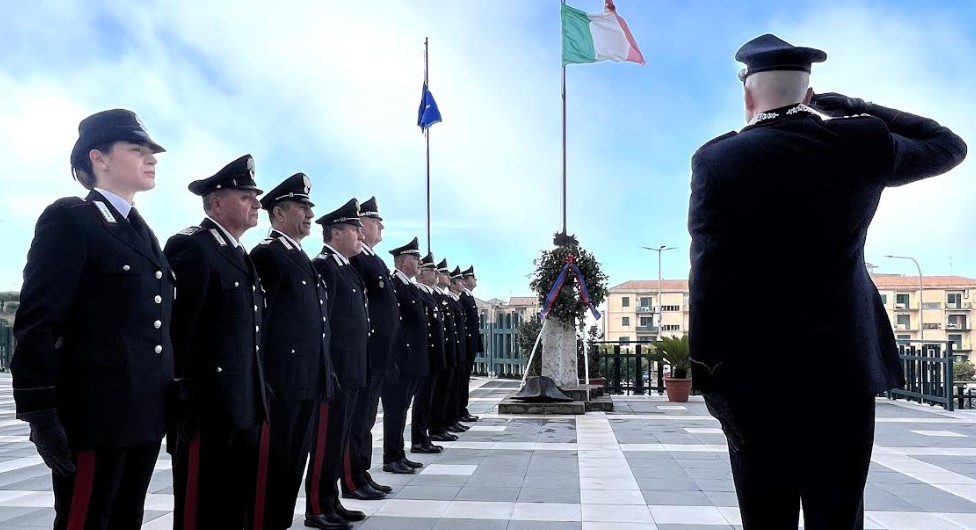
(93, 359)
(296, 352)
(217, 338)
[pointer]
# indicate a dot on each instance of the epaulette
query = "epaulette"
(189, 231)
(285, 243)
(266, 241)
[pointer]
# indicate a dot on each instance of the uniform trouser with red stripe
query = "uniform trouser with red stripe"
(420, 415)
(396, 401)
(442, 400)
(291, 439)
(360, 434)
(329, 451)
(215, 479)
(466, 387)
(108, 489)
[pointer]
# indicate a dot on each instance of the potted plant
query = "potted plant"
(674, 351)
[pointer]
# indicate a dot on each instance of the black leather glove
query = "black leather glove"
(51, 441)
(182, 409)
(835, 105)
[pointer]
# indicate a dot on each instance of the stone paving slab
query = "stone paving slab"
(648, 465)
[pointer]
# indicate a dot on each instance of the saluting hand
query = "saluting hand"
(836, 105)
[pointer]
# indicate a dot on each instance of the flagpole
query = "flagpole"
(564, 128)
(427, 136)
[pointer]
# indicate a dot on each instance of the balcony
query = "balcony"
(958, 326)
(647, 329)
(645, 309)
(905, 307)
(959, 306)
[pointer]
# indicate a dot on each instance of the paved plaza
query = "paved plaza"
(648, 465)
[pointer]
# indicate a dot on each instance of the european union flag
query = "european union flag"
(428, 114)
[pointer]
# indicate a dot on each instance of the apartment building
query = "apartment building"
(946, 312)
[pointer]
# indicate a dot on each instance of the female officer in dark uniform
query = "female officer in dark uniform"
(93, 359)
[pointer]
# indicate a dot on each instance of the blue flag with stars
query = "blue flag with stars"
(428, 114)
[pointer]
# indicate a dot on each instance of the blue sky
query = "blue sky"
(332, 88)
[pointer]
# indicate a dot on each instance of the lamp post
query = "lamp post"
(660, 311)
(921, 307)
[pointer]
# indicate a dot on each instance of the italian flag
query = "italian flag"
(592, 38)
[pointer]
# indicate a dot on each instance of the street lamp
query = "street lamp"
(921, 307)
(660, 311)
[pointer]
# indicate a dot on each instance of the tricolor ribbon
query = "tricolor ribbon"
(558, 284)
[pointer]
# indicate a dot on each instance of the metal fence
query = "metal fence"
(928, 372)
(6, 345)
(627, 368)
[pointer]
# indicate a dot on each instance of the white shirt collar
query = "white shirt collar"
(226, 233)
(286, 236)
(343, 259)
(402, 276)
(119, 203)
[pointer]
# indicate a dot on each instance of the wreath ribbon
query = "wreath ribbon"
(550, 299)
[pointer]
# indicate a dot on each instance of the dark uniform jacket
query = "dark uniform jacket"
(472, 325)
(296, 323)
(410, 351)
(461, 325)
(452, 328)
(790, 199)
(436, 328)
(348, 318)
(384, 314)
(92, 329)
(217, 334)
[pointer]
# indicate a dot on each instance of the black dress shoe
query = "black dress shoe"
(427, 449)
(327, 521)
(411, 463)
(469, 418)
(399, 468)
(439, 448)
(349, 515)
(443, 437)
(378, 487)
(364, 493)
(454, 428)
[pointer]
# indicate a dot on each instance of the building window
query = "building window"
(956, 322)
(901, 300)
(646, 321)
(956, 341)
(953, 300)
(646, 301)
(645, 338)
(884, 299)
(625, 321)
(623, 340)
(671, 308)
(903, 321)
(670, 327)
(625, 301)
(903, 337)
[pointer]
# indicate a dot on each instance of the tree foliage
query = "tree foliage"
(525, 335)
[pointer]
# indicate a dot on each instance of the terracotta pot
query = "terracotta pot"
(677, 389)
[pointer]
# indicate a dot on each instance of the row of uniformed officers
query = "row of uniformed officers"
(249, 364)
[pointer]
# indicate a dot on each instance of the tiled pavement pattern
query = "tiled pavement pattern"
(649, 465)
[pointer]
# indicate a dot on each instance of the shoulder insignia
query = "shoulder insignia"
(105, 211)
(216, 235)
(322, 255)
(336, 258)
(266, 241)
(189, 231)
(285, 243)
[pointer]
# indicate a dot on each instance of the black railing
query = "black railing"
(628, 368)
(928, 372)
